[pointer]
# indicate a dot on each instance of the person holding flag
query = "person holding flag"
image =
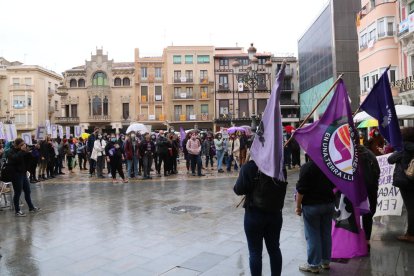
(263, 182)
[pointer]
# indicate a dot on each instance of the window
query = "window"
(188, 59)
(374, 78)
(177, 76)
(363, 40)
(177, 59)
(189, 92)
(99, 79)
(189, 75)
(19, 102)
(49, 85)
(261, 61)
(372, 32)
(261, 105)
(158, 93)
(117, 82)
(223, 82)
(243, 108)
(204, 109)
(29, 101)
(67, 109)
(74, 110)
(365, 83)
(244, 61)
(105, 107)
(81, 83)
(28, 81)
(144, 72)
(158, 111)
(97, 106)
(223, 107)
(224, 62)
(20, 119)
(204, 76)
(125, 111)
(56, 106)
(189, 110)
(411, 8)
(178, 110)
(203, 59)
(16, 81)
(73, 83)
(158, 72)
(392, 75)
(386, 26)
(381, 27)
(204, 92)
(177, 92)
(126, 82)
(144, 94)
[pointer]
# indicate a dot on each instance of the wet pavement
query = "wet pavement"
(180, 225)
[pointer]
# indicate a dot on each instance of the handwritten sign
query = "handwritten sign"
(60, 131)
(54, 131)
(48, 127)
(40, 133)
(10, 132)
(67, 132)
(78, 131)
(389, 201)
(2, 136)
(27, 137)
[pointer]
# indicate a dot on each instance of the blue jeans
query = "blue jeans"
(229, 160)
(195, 160)
(21, 183)
(220, 155)
(318, 225)
(134, 162)
(260, 225)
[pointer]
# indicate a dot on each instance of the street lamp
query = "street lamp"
(251, 77)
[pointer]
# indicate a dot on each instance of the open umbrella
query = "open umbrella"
(231, 130)
(248, 130)
(137, 127)
(368, 123)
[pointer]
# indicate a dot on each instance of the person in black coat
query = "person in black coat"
(147, 148)
(263, 215)
(18, 163)
(401, 160)
(115, 155)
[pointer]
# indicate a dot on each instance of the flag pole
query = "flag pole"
(311, 113)
(359, 107)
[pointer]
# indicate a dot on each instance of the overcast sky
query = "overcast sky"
(60, 35)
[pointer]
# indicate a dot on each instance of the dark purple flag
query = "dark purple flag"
(330, 143)
(267, 147)
(380, 105)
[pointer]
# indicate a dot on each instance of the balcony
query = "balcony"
(262, 87)
(67, 120)
(183, 80)
(21, 87)
(288, 102)
(50, 92)
(389, 33)
(51, 109)
(183, 96)
(224, 87)
(99, 118)
(287, 88)
(193, 117)
(204, 96)
(151, 117)
(204, 80)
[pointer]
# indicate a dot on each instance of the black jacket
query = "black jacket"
(370, 169)
(401, 160)
(315, 187)
(18, 160)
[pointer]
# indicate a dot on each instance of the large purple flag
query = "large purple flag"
(267, 146)
(330, 143)
(182, 137)
(380, 105)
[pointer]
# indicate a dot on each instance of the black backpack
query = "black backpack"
(269, 193)
(5, 171)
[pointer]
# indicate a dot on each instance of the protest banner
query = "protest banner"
(2, 136)
(60, 131)
(389, 201)
(40, 133)
(78, 131)
(10, 132)
(27, 137)
(67, 132)
(54, 129)
(48, 128)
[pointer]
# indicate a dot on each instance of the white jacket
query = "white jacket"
(98, 149)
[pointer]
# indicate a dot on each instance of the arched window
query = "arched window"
(105, 107)
(81, 83)
(117, 82)
(126, 82)
(97, 106)
(73, 83)
(99, 79)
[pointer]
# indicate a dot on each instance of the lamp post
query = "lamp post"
(251, 76)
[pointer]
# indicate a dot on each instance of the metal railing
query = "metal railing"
(184, 96)
(193, 117)
(100, 118)
(61, 120)
(20, 87)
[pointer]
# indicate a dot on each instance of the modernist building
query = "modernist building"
(100, 93)
(189, 82)
(151, 107)
(328, 48)
(28, 95)
(378, 46)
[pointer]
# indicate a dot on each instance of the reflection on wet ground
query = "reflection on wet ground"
(176, 226)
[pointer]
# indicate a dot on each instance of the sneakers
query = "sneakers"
(325, 266)
(20, 214)
(308, 268)
(35, 209)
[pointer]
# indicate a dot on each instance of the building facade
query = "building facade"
(100, 93)
(328, 48)
(189, 83)
(378, 46)
(28, 95)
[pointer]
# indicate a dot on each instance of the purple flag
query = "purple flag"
(267, 147)
(330, 143)
(182, 136)
(380, 105)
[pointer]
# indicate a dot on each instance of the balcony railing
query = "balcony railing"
(223, 87)
(204, 80)
(67, 120)
(193, 117)
(184, 96)
(262, 87)
(21, 87)
(385, 34)
(99, 118)
(51, 92)
(288, 87)
(150, 117)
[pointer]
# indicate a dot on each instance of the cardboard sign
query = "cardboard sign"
(78, 131)
(48, 127)
(389, 201)
(60, 131)
(2, 136)
(54, 131)
(10, 132)
(67, 132)
(40, 133)
(27, 137)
